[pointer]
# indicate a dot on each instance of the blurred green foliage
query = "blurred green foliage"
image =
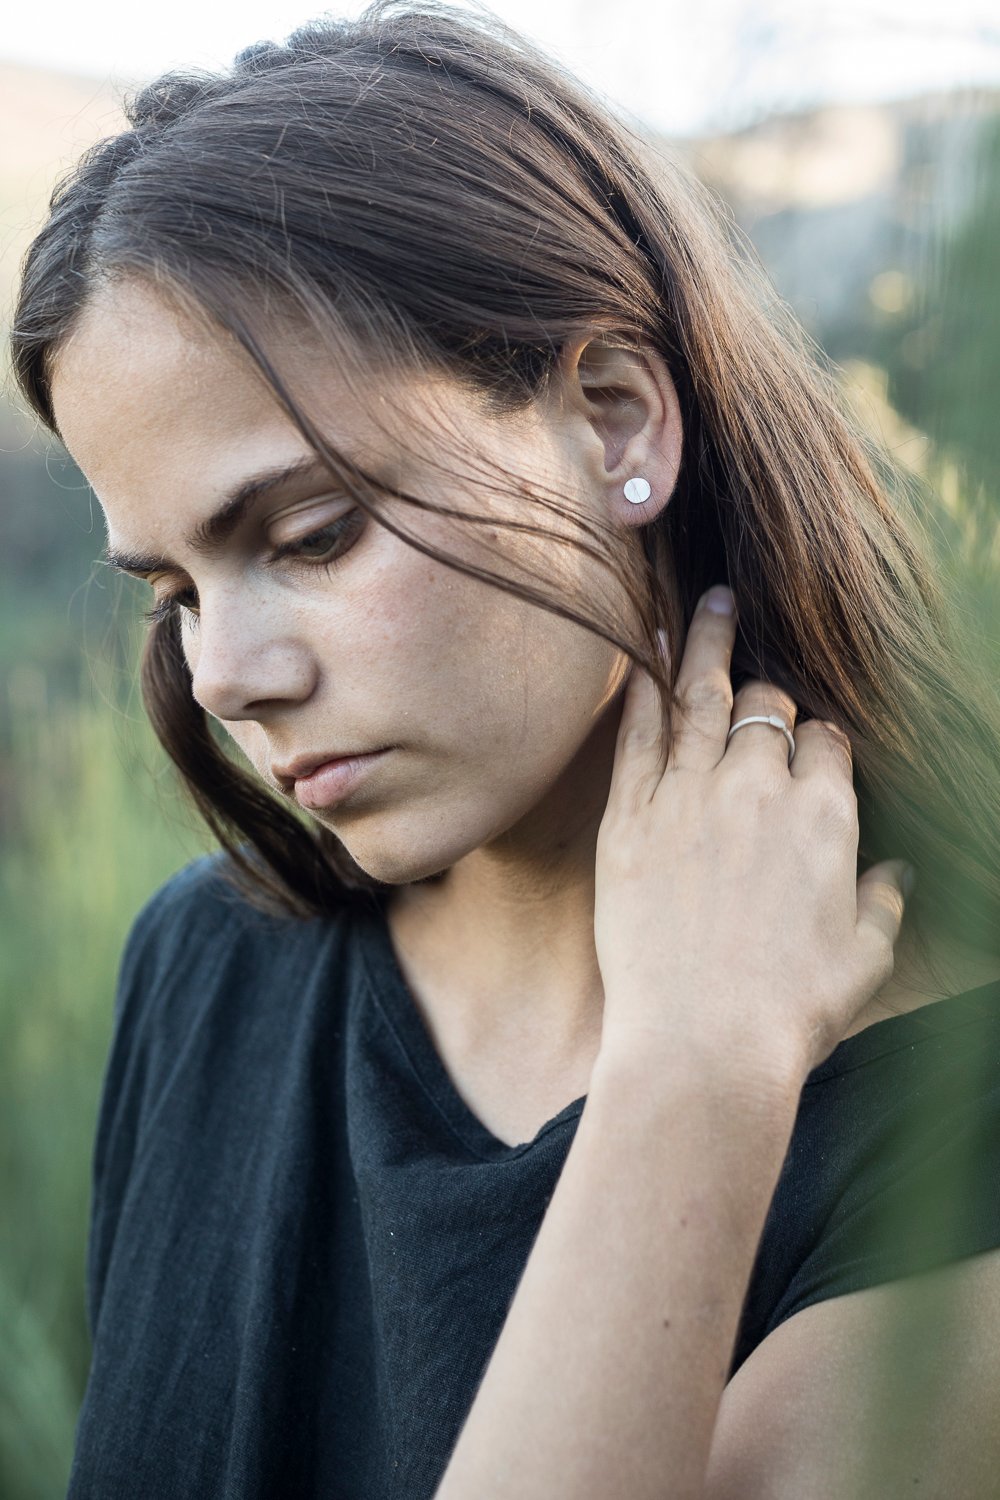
(91, 837)
(90, 824)
(941, 347)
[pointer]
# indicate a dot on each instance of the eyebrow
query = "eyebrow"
(215, 529)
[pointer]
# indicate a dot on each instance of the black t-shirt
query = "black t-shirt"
(304, 1244)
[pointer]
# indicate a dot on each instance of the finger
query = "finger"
(704, 689)
(881, 904)
(822, 749)
(639, 754)
(758, 699)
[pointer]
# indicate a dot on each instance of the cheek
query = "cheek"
(252, 741)
(500, 681)
(493, 677)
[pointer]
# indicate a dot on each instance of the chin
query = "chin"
(400, 861)
(391, 869)
(408, 839)
(404, 844)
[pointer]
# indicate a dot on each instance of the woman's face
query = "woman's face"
(495, 709)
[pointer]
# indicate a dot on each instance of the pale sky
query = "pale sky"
(681, 66)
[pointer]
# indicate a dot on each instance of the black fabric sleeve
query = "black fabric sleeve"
(906, 1150)
(152, 948)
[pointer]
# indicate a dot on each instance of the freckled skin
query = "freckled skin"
(506, 715)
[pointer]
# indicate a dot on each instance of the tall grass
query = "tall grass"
(90, 836)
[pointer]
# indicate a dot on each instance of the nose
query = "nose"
(244, 661)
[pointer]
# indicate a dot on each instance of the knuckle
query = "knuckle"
(836, 740)
(835, 805)
(840, 746)
(709, 692)
(636, 739)
(838, 735)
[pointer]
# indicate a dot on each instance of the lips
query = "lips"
(333, 782)
(291, 771)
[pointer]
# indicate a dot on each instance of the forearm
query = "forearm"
(608, 1372)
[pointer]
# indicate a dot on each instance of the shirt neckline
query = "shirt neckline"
(395, 1001)
(391, 993)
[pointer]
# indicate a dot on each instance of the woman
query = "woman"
(508, 1106)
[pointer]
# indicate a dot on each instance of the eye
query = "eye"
(324, 546)
(183, 599)
(320, 548)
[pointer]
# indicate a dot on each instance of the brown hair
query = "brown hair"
(424, 183)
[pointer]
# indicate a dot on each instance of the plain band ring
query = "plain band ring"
(774, 719)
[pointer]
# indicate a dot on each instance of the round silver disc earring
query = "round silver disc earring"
(637, 491)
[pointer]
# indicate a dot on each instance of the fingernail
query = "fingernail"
(719, 600)
(908, 881)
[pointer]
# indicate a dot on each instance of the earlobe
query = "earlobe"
(630, 402)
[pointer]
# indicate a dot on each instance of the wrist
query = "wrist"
(726, 1130)
(761, 1078)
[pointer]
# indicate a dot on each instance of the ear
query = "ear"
(625, 417)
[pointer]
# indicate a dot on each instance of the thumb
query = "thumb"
(883, 891)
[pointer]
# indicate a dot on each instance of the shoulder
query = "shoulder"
(219, 1008)
(197, 899)
(198, 917)
(208, 988)
(200, 960)
(893, 1164)
(878, 1270)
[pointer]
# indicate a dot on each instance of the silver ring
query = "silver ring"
(774, 719)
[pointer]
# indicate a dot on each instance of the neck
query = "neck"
(502, 943)
(504, 939)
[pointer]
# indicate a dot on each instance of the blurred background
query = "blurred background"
(858, 147)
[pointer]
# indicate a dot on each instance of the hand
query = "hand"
(728, 913)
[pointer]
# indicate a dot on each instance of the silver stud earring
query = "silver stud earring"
(637, 491)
